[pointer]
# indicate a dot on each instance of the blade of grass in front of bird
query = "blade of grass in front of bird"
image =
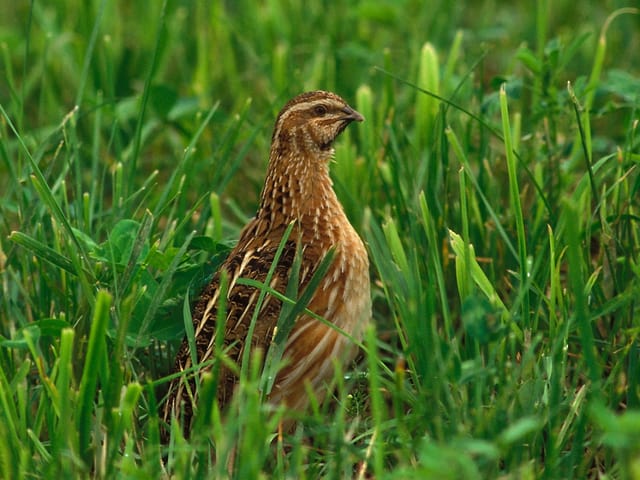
(263, 292)
(189, 333)
(208, 414)
(213, 415)
(283, 327)
(290, 313)
(206, 401)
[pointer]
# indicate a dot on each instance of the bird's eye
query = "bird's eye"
(320, 110)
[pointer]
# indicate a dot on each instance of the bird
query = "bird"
(297, 192)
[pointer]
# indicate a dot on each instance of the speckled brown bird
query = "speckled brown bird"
(298, 190)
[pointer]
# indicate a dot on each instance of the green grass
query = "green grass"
(496, 183)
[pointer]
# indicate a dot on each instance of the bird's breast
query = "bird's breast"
(343, 296)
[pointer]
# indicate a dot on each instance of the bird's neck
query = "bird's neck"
(298, 189)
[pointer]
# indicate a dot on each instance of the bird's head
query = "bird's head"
(312, 121)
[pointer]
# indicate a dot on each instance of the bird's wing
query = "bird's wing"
(250, 259)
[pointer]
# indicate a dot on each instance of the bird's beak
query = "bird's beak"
(352, 115)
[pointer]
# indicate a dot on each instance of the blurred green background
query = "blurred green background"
(134, 138)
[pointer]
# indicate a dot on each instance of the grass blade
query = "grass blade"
(516, 207)
(43, 251)
(96, 351)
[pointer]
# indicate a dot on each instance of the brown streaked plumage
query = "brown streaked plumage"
(297, 189)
